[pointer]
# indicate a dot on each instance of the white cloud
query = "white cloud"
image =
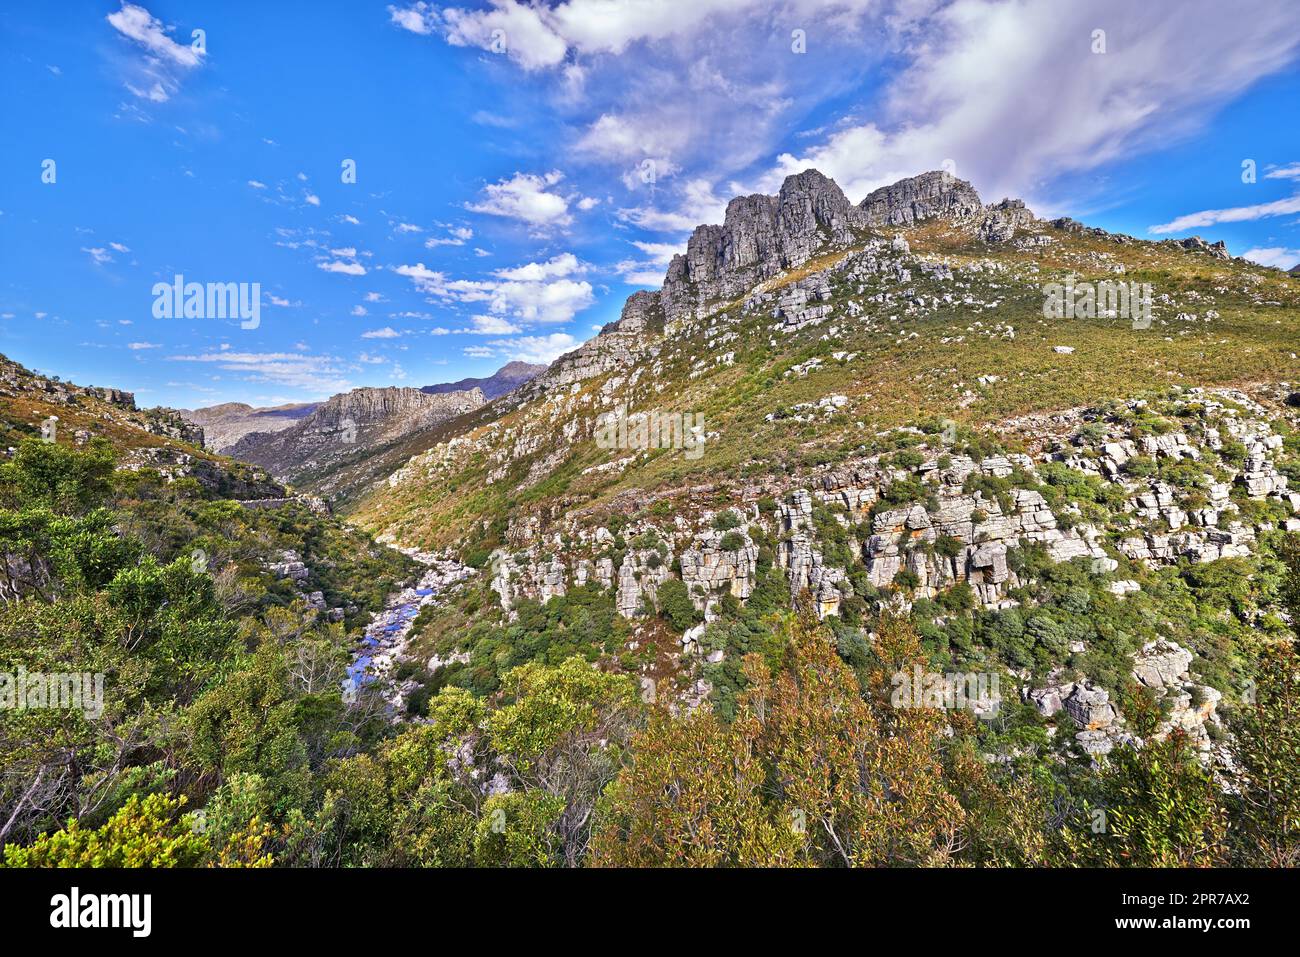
(542, 293)
(1276, 256)
(145, 29)
(521, 32)
(1291, 171)
(388, 332)
(256, 184)
(98, 254)
(1160, 78)
(419, 18)
(358, 310)
(526, 197)
(456, 236)
(347, 269)
(696, 204)
(138, 346)
(157, 75)
(311, 199)
(565, 264)
(493, 326)
(1235, 214)
(319, 375)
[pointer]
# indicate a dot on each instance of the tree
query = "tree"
(1268, 752)
(148, 833)
(1150, 806)
(675, 604)
(692, 798)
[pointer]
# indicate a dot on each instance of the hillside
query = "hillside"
(868, 404)
(350, 427)
(506, 379)
(224, 425)
(938, 318)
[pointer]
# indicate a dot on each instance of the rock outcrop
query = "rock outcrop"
(349, 425)
(930, 195)
(759, 237)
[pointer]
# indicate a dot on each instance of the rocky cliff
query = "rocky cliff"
(350, 426)
(224, 425)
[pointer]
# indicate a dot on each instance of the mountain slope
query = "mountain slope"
(349, 427)
(884, 411)
(506, 379)
(906, 323)
(224, 425)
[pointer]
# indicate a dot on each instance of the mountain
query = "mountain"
(157, 439)
(349, 427)
(225, 424)
(506, 379)
(875, 404)
(946, 500)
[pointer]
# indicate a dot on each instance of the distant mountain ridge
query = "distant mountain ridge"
(226, 424)
(506, 379)
(348, 426)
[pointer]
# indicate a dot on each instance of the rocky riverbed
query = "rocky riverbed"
(388, 633)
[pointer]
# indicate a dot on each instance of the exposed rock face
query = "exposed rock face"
(1003, 219)
(620, 344)
(353, 423)
(1163, 667)
(708, 569)
(1218, 250)
(224, 425)
(934, 194)
(760, 236)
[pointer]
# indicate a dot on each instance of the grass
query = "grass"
(904, 372)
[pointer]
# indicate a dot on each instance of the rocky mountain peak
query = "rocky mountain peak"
(937, 193)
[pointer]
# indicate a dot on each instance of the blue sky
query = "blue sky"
(522, 168)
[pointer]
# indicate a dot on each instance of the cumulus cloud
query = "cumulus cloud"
(493, 326)
(346, 268)
(344, 261)
(528, 198)
(387, 332)
(541, 293)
